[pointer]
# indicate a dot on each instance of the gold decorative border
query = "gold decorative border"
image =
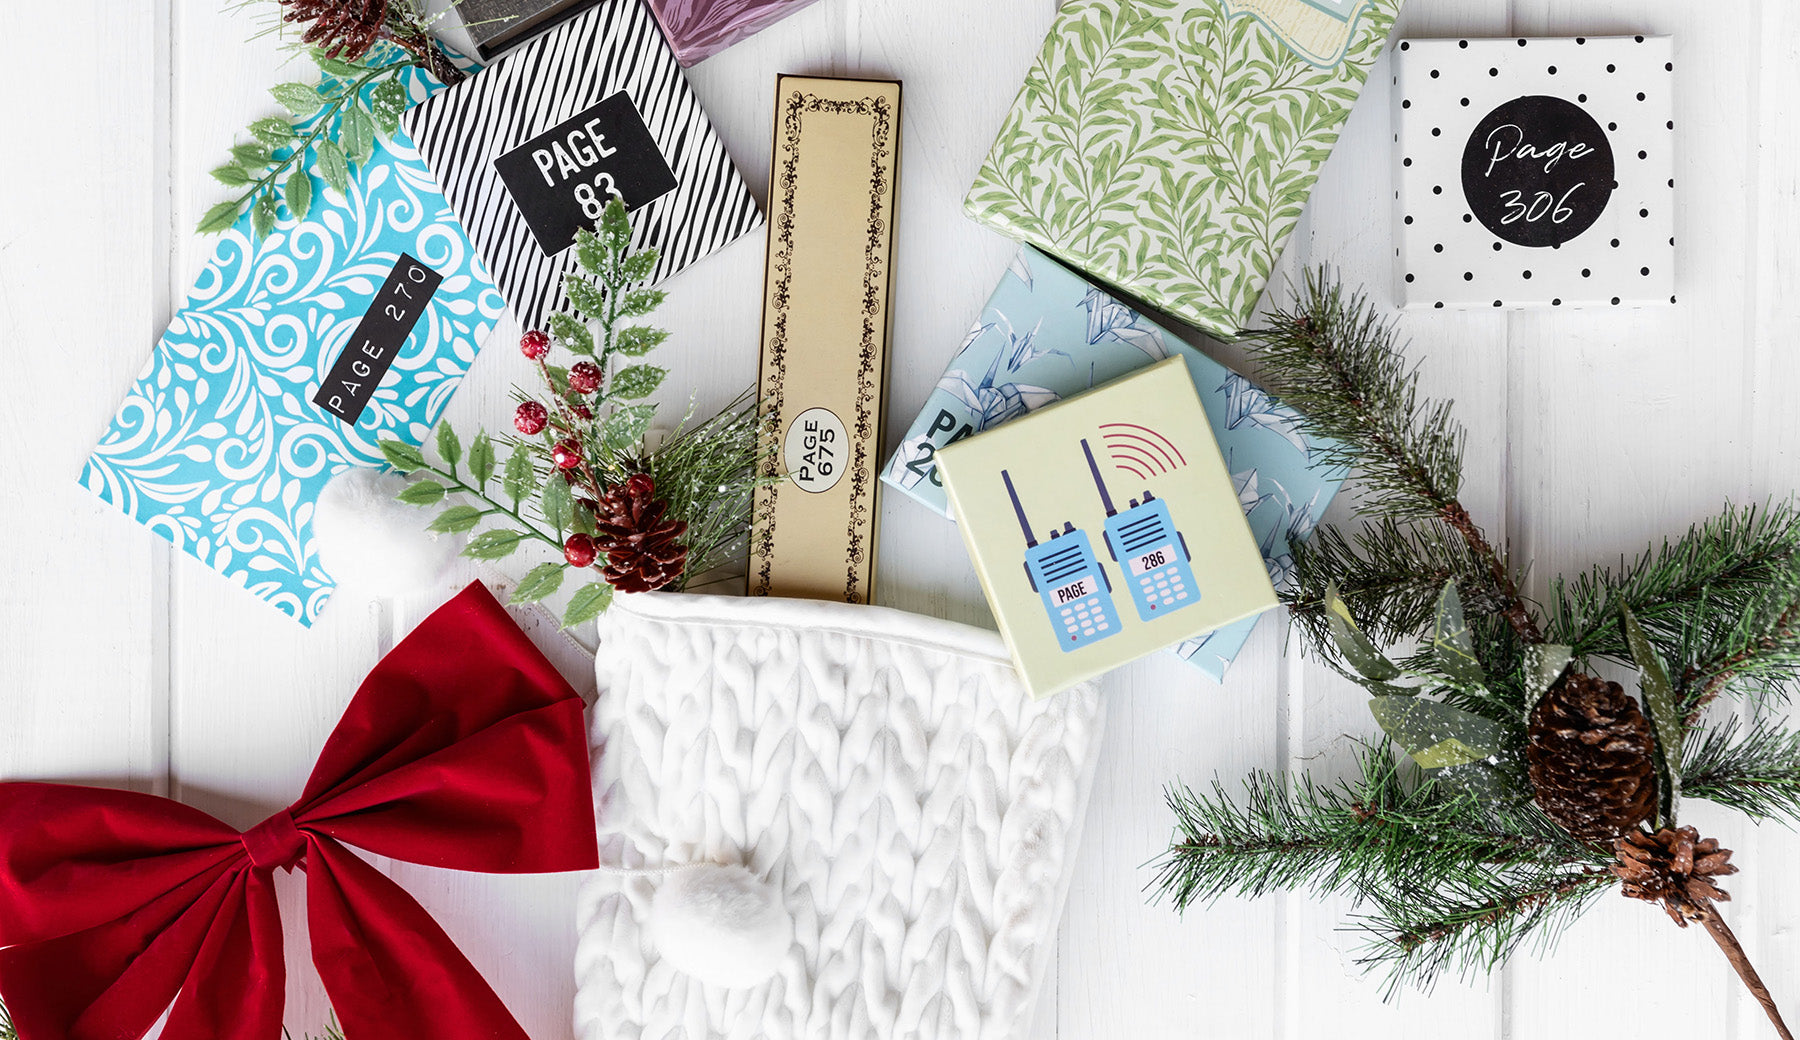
(880, 112)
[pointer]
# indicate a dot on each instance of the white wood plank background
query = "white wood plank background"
(1591, 433)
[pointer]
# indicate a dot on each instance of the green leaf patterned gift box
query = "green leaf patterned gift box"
(1168, 146)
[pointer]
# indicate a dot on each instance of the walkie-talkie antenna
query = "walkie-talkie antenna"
(1018, 510)
(1094, 468)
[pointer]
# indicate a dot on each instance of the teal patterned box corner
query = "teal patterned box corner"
(1047, 334)
(219, 446)
(1167, 147)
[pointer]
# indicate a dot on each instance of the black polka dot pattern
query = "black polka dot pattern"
(1447, 258)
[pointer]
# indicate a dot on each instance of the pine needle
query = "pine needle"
(1755, 771)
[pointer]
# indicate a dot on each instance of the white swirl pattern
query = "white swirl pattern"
(218, 446)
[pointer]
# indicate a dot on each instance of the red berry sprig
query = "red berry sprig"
(531, 418)
(579, 550)
(534, 345)
(585, 377)
(566, 454)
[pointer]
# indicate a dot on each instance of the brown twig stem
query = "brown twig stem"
(1719, 674)
(1740, 961)
(1517, 614)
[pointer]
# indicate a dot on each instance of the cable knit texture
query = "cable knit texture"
(887, 772)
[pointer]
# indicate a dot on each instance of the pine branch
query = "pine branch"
(1759, 648)
(1755, 771)
(1389, 573)
(1471, 929)
(1338, 364)
(1377, 837)
(1716, 570)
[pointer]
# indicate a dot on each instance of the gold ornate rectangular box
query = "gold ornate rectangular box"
(825, 335)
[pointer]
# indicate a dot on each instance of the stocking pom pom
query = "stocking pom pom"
(371, 542)
(721, 924)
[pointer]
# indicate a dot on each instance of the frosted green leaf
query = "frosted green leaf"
(218, 218)
(1665, 715)
(588, 603)
(449, 446)
(481, 459)
(1356, 648)
(386, 102)
(332, 166)
(298, 193)
(422, 493)
(1451, 643)
(402, 456)
(539, 582)
(572, 333)
(493, 545)
(1435, 734)
(299, 98)
(1544, 664)
(637, 381)
(456, 518)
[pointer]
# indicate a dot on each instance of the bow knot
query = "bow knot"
(275, 844)
(462, 750)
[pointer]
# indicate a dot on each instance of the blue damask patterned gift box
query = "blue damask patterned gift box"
(1047, 334)
(293, 355)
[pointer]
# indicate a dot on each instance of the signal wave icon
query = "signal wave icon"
(1139, 450)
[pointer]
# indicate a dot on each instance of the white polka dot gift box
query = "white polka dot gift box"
(1534, 173)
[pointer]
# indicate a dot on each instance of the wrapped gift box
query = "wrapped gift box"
(1105, 527)
(825, 336)
(699, 29)
(530, 150)
(291, 358)
(1168, 149)
(1047, 334)
(1534, 173)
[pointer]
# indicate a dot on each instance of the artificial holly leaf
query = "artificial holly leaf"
(298, 193)
(1351, 642)
(262, 215)
(218, 218)
(584, 519)
(1451, 643)
(559, 379)
(539, 582)
(615, 225)
(449, 445)
(521, 476)
(587, 297)
(422, 493)
(588, 603)
(335, 67)
(625, 427)
(332, 166)
(481, 459)
(402, 456)
(1665, 715)
(456, 518)
(302, 99)
(232, 176)
(557, 503)
(386, 102)
(493, 544)
(638, 340)
(590, 252)
(1435, 734)
(1544, 664)
(273, 132)
(639, 302)
(639, 265)
(572, 333)
(637, 381)
(250, 156)
(358, 134)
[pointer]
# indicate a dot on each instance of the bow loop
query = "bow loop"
(463, 748)
(275, 844)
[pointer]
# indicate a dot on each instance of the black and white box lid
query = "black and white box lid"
(532, 148)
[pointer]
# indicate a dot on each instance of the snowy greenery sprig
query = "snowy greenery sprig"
(580, 443)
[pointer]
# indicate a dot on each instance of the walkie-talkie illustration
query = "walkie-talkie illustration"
(1154, 555)
(1067, 575)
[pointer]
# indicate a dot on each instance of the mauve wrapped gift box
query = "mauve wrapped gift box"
(699, 29)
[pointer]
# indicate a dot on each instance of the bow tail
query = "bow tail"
(115, 979)
(239, 982)
(389, 968)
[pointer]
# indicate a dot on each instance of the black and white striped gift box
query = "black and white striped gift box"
(529, 149)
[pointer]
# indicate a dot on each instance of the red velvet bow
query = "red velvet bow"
(463, 749)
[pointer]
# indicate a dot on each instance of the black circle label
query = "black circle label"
(1538, 171)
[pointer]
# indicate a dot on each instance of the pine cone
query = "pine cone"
(1591, 759)
(1675, 868)
(642, 547)
(341, 28)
